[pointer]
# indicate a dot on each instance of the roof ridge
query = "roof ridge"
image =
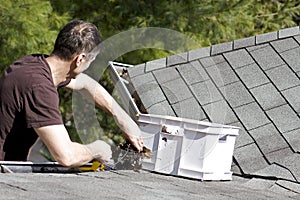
(216, 49)
(243, 43)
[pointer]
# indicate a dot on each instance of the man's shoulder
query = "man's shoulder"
(28, 70)
(29, 60)
(31, 63)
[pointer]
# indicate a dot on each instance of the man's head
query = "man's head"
(76, 37)
(78, 43)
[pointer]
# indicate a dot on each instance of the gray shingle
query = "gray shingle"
(256, 47)
(250, 158)
(293, 138)
(150, 93)
(277, 156)
(192, 72)
(176, 90)
(284, 191)
(221, 48)
(268, 139)
(211, 61)
(284, 118)
(161, 108)
(292, 186)
(220, 112)
(292, 163)
(222, 74)
(297, 38)
(206, 92)
(190, 109)
(142, 79)
(136, 70)
(250, 193)
(266, 57)
(259, 184)
(199, 53)
(252, 75)
(244, 42)
(251, 116)
(275, 170)
(284, 45)
(267, 96)
(292, 58)
(236, 94)
(156, 64)
(239, 58)
(292, 96)
(289, 32)
(243, 138)
(177, 59)
(266, 37)
(235, 169)
(283, 77)
(166, 74)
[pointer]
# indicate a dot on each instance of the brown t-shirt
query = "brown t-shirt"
(28, 99)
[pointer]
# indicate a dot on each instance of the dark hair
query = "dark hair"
(76, 37)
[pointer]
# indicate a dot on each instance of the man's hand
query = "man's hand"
(100, 151)
(135, 139)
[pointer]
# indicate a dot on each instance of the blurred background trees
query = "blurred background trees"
(31, 26)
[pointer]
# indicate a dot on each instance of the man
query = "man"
(29, 100)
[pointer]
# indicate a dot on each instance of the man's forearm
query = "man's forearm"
(99, 95)
(63, 150)
(106, 102)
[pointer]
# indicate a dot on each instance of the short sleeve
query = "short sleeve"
(41, 106)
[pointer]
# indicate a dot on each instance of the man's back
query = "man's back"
(28, 99)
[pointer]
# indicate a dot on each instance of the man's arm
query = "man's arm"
(106, 102)
(68, 153)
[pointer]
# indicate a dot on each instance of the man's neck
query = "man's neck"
(59, 69)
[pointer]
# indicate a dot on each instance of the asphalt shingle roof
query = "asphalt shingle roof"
(254, 83)
(132, 185)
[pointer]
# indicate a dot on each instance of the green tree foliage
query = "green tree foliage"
(30, 26)
(210, 21)
(27, 27)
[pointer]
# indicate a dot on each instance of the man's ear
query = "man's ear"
(80, 59)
